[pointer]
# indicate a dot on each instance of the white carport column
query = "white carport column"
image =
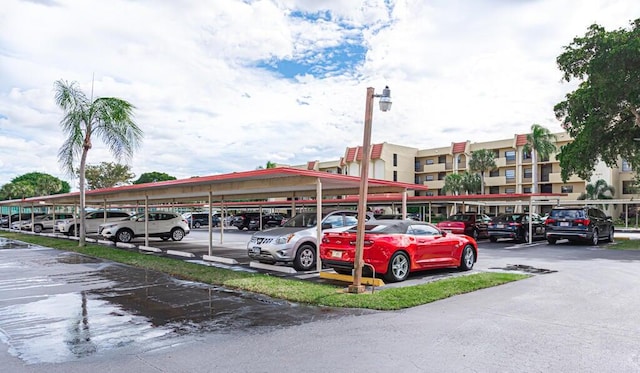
(222, 218)
(404, 204)
(146, 220)
(210, 223)
(530, 219)
(318, 223)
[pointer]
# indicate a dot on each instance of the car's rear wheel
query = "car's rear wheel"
(399, 267)
(524, 238)
(124, 235)
(37, 228)
(197, 224)
(177, 234)
(610, 238)
(595, 239)
(467, 258)
(71, 231)
(475, 234)
(305, 258)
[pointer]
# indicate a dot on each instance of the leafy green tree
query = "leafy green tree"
(598, 191)
(481, 161)
(453, 184)
(15, 190)
(108, 175)
(44, 184)
(108, 118)
(268, 165)
(540, 142)
(603, 113)
(151, 177)
(471, 182)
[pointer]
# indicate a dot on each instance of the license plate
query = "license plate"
(336, 254)
(254, 250)
(500, 225)
(564, 223)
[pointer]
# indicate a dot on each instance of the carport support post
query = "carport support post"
(318, 223)
(404, 204)
(530, 219)
(210, 222)
(146, 220)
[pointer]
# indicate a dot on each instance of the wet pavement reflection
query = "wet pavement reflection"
(57, 306)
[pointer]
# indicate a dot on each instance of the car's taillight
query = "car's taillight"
(515, 224)
(582, 221)
(549, 221)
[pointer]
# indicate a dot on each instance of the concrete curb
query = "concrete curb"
(148, 248)
(271, 267)
(211, 258)
(180, 253)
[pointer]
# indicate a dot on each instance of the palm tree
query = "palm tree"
(481, 161)
(598, 190)
(109, 118)
(453, 184)
(539, 142)
(471, 182)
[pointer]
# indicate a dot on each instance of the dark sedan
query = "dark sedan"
(516, 226)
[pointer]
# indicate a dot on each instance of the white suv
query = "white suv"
(92, 220)
(161, 224)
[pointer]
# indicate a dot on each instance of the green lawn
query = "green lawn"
(289, 289)
(625, 245)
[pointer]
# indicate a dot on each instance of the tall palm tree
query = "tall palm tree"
(481, 161)
(539, 142)
(453, 184)
(109, 118)
(598, 190)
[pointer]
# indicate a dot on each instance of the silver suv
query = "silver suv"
(93, 220)
(296, 240)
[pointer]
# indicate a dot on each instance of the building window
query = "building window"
(566, 189)
(429, 193)
(429, 161)
(496, 153)
(510, 190)
(546, 188)
(395, 175)
(416, 165)
(416, 180)
(429, 178)
(494, 190)
(528, 173)
(510, 174)
(494, 173)
(442, 175)
(626, 166)
(510, 155)
(442, 159)
(395, 160)
(526, 155)
(629, 187)
(526, 190)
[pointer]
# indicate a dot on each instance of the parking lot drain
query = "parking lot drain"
(525, 268)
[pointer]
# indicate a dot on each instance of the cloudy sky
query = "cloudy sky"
(227, 85)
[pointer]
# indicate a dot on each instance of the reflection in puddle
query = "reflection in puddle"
(57, 306)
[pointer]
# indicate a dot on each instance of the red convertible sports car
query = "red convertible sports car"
(397, 247)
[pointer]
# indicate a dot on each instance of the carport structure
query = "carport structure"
(250, 186)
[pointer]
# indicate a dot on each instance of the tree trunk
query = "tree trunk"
(83, 161)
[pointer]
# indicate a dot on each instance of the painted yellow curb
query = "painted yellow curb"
(347, 278)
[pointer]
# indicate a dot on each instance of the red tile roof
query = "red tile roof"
(376, 151)
(351, 154)
(458, 147)
(521, 140)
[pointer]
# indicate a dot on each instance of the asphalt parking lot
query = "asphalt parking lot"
(60, 312)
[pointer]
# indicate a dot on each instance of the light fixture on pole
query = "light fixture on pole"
(385, 105)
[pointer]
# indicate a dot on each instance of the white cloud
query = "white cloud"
(458, 70)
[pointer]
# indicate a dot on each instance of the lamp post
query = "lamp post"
(385, 105)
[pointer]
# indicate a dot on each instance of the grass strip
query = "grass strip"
(283, 288)
(625, 245)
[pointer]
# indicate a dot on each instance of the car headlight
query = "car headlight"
(283, 239)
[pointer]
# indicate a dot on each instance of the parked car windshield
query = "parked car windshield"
(302, 220)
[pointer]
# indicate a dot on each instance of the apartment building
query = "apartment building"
(513, 174)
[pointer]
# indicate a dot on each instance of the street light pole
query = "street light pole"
(385, 105)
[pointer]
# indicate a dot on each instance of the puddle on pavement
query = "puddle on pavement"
(57, 307)
(10, 244)
(525, 268)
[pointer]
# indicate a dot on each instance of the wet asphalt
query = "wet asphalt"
(63, 312)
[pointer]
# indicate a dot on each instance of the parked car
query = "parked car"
(268, 221)
(581, 223)
(395, 216)
(160, 224)
(17, 218)
(44, 222)
(295, 242)
(516, 226)
(396, 248)
(93, 219)
(243, 221)
(471, 224)
(199, 219)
